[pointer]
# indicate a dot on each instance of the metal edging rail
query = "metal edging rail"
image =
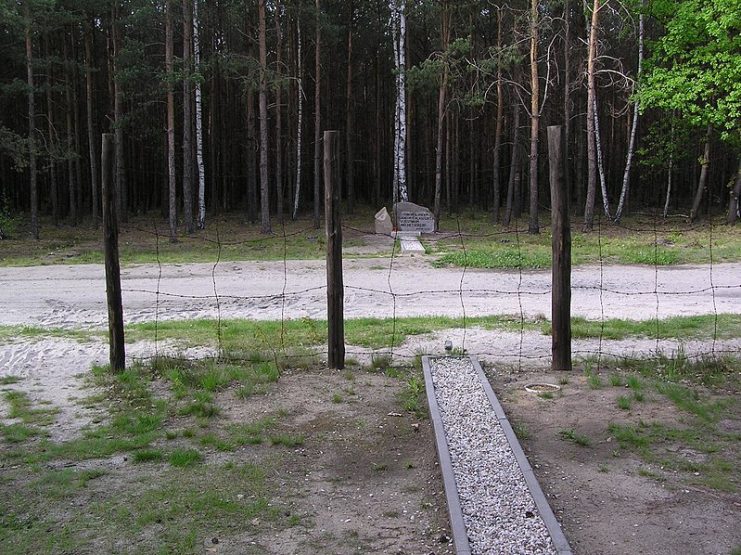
(457, 526)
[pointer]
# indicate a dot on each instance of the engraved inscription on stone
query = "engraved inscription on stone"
(416, 221)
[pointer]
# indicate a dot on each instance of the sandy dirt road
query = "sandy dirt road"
(74, 296)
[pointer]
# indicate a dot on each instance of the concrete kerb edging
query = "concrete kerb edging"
(458, 527)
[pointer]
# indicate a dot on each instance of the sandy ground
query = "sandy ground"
(74, 296)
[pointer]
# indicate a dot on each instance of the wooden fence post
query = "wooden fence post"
(112, 267)
(333, 226)
(561, 247)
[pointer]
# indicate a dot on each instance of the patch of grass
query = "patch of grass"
(615, 244)
(336, 398)
(18, 433)
(634, 383)
(546, 395)
(10, 380)
(239, 338)
(185, 457)
(594, 381)
(8, 333)
(20, 408)
(616, 380)
(629, 436)
(530, 257)
(677, 327)
(570, 434)
(689, 400)
(147, 455)
(379, 467)
(623, 402)
(412, 396)
(287, 440)
(521, 431)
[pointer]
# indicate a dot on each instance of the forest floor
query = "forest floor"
(638, 454)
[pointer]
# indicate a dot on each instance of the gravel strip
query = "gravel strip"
(498, 509)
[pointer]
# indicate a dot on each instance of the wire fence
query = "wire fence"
(463, 292)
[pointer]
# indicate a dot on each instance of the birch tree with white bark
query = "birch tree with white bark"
(398, 35)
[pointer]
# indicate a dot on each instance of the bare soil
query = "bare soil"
(609, 501)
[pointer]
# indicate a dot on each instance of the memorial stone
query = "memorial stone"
(383, 222)
(413, 217)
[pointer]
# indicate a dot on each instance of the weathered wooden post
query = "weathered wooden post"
(333, 226)
(110, 249)
(561, 247)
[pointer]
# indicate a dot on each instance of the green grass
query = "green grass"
(245, 338)
(571, 435)
(185, 457)
(668, 245)
(624, 403)
(185, 505)
(20, 407)
(682, 327)
(412, 396)
(18, 433)
(594, 381)
(508, 257)
(10, 380)
(9, 333)
(689, 400)
(148, 455)
(240, 241)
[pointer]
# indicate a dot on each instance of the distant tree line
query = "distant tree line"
(219, 105)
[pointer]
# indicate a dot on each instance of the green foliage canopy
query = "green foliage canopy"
(695, 68)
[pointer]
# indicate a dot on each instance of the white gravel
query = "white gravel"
(498, 510)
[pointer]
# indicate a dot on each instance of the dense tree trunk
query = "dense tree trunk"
(51, 143)
(496, 183)
(567, 176)
(445, 32)
(733, 203)
(514, 166)
(632, 141)
(170, 122)
(349, 156)
(669, 176)
(91, 134)
(199, 123)
(591, 148)
(702, 182)
(398, 35)
(252, 144)
(187, 118)
(34, 194)
(69, 145)
(263, 101)
(317, 118)
(533, 226)
(600, 161)
(118, 136)
(300, 117)
(278, 118)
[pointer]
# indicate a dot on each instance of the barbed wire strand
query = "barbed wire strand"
(523, 355)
